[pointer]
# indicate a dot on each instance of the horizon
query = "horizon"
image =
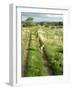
(42, 17)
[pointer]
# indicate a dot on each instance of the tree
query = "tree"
(29, 19)
(29, 22)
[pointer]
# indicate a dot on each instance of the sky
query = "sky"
(39, 17)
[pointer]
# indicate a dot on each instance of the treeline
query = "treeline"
(46, 24)
(29, 22)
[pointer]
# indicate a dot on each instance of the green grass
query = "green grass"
(35, 64)
(53, 48)
(55, 59)
(25, 34)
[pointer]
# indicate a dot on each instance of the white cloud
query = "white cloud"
(53, 15)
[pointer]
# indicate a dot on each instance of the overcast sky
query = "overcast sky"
(38, 17)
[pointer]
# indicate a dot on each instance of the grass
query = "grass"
(25, 34)
(52, 39)
(53, 48)
(35, 64)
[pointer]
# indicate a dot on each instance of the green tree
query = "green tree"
(29, 22)
(29, 19)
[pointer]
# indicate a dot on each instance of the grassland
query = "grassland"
(32, 39)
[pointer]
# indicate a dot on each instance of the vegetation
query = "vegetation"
(53, 48)
(35, 65)
(49, 34)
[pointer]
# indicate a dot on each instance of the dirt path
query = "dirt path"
(45, 60)
(46, 64)
(24, 67)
